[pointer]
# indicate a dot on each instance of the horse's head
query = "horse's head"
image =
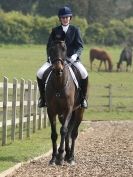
(57, 54)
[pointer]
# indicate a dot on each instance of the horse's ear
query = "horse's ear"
(63, 36)
(58, 36)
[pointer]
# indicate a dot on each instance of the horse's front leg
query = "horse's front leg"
(68, 138)
(63, 132)
(78, 116)
(54, 137)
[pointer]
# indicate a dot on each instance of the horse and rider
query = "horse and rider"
(59, 91)
(74, 44)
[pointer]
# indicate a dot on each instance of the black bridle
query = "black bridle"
(55, 60)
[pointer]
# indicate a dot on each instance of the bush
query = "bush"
(95, 33)
(81, 23)
(15, 27)
(119, 30)
(42, 28)
(25, 29)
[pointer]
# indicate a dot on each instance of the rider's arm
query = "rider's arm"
(50, 40)
(78, 43)
(78, 46)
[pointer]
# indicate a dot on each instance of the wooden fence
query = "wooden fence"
(19, 112)
(111, 98)
(18, 109)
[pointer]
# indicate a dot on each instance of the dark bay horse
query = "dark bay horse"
(101, 55)
(62, 101)
(126, 55)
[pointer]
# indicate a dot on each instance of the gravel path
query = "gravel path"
(104, 149)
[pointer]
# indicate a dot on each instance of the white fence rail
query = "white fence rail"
(19, 112)
(18, 108)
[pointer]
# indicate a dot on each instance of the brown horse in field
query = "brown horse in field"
(125, 56)
(63, 101)
(101, 55)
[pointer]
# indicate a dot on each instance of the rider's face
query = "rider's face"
(65, 20)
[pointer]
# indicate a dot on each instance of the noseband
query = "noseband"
(57, 60)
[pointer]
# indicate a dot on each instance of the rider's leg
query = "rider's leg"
(41, 84)
(84, 90)
(84, 84)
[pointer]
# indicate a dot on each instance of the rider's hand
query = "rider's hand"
(73, 58)
(48, 59)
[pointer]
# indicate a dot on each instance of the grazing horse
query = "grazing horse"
(101, 55)
(126, 55)
(62, 99)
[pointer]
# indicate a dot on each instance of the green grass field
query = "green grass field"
(23, 62)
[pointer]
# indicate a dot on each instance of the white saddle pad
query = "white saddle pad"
(72, 74)
(74, 77)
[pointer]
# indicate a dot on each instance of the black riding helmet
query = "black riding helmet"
(65, 12)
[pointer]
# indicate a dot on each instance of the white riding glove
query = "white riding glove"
(73, 58)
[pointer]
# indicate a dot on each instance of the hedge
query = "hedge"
(26, 29)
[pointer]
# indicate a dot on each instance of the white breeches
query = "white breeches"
(41, 71)
(78, 65)
(81, 69)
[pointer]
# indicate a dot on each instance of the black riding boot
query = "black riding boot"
(84, 90)
(41, 101)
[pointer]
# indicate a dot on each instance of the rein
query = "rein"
(59, 70)
(59, 92)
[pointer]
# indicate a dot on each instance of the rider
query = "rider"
(74, 45)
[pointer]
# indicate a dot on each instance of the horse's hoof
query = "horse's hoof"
(52, 161)
(66, 158)
(72, 162)
(59, 162)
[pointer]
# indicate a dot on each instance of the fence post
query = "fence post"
(35, 107)
(29, 108)
(22, 90)
(14, 100)
(110, 97)
(40, 119)
(5, 110)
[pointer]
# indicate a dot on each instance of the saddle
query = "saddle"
(74, 71)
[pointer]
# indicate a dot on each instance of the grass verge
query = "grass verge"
(21, 151)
